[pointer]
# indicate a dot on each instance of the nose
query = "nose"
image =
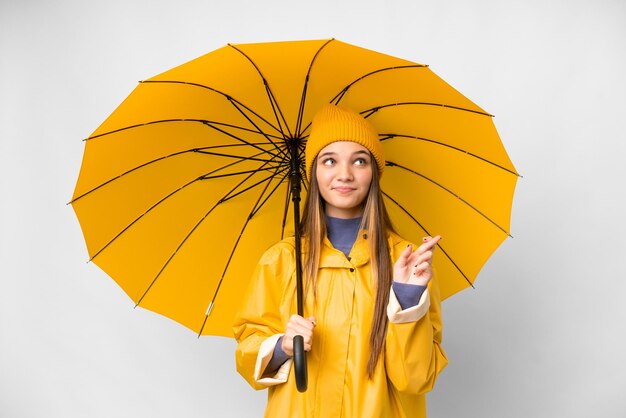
(345, 172)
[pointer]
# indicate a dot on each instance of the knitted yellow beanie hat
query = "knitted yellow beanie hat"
(335, 123)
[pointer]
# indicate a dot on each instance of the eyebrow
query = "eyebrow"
(364, 152)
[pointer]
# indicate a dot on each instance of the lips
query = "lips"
(343, 189)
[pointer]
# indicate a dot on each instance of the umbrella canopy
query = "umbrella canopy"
(186, 183)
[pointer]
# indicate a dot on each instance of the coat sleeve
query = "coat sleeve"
(260, 322)
(413, 354)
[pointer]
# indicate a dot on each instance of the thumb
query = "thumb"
(312, 319)
(404, 257)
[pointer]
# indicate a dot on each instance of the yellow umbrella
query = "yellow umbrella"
(185, 185)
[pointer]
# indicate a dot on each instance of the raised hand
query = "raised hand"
(415, 267)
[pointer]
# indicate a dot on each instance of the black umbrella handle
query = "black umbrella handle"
(299, 363)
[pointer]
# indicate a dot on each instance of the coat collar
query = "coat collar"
(359, 255)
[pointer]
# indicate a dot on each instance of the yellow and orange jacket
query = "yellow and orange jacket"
(338, 384)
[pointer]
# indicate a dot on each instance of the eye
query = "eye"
(328, 161)
(361, 162)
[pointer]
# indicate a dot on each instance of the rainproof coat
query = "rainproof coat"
(338, 384)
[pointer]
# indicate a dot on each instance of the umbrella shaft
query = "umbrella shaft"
(295, 180)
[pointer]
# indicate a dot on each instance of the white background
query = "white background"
(544, 333)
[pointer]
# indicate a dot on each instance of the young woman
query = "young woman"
(372, 323)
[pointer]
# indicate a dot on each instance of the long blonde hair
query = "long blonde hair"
(377, 223)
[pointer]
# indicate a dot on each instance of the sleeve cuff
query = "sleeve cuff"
(397, 315)
(266, 351)
(408, 294)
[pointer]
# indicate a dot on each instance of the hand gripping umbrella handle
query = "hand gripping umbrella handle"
(299, 363)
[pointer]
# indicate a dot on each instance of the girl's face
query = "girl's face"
(344, 174)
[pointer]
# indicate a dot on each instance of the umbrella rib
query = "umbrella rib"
(203, 177)
(428, 233)
(268, 90)
(343, 91)
(221, 154)
(369, 112)
(256, 207)
(238, 173)
(306, 87)
(282, 151)
(385, 137)
(204, 121)
(392, 164)
(171, 257)
(209, 124)
(285, 213)
(251, 186)
(231, 99)
(339, 96)
(128, 172)
(248, 142)
(260, 206)
(275, 107)
(196, 150)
